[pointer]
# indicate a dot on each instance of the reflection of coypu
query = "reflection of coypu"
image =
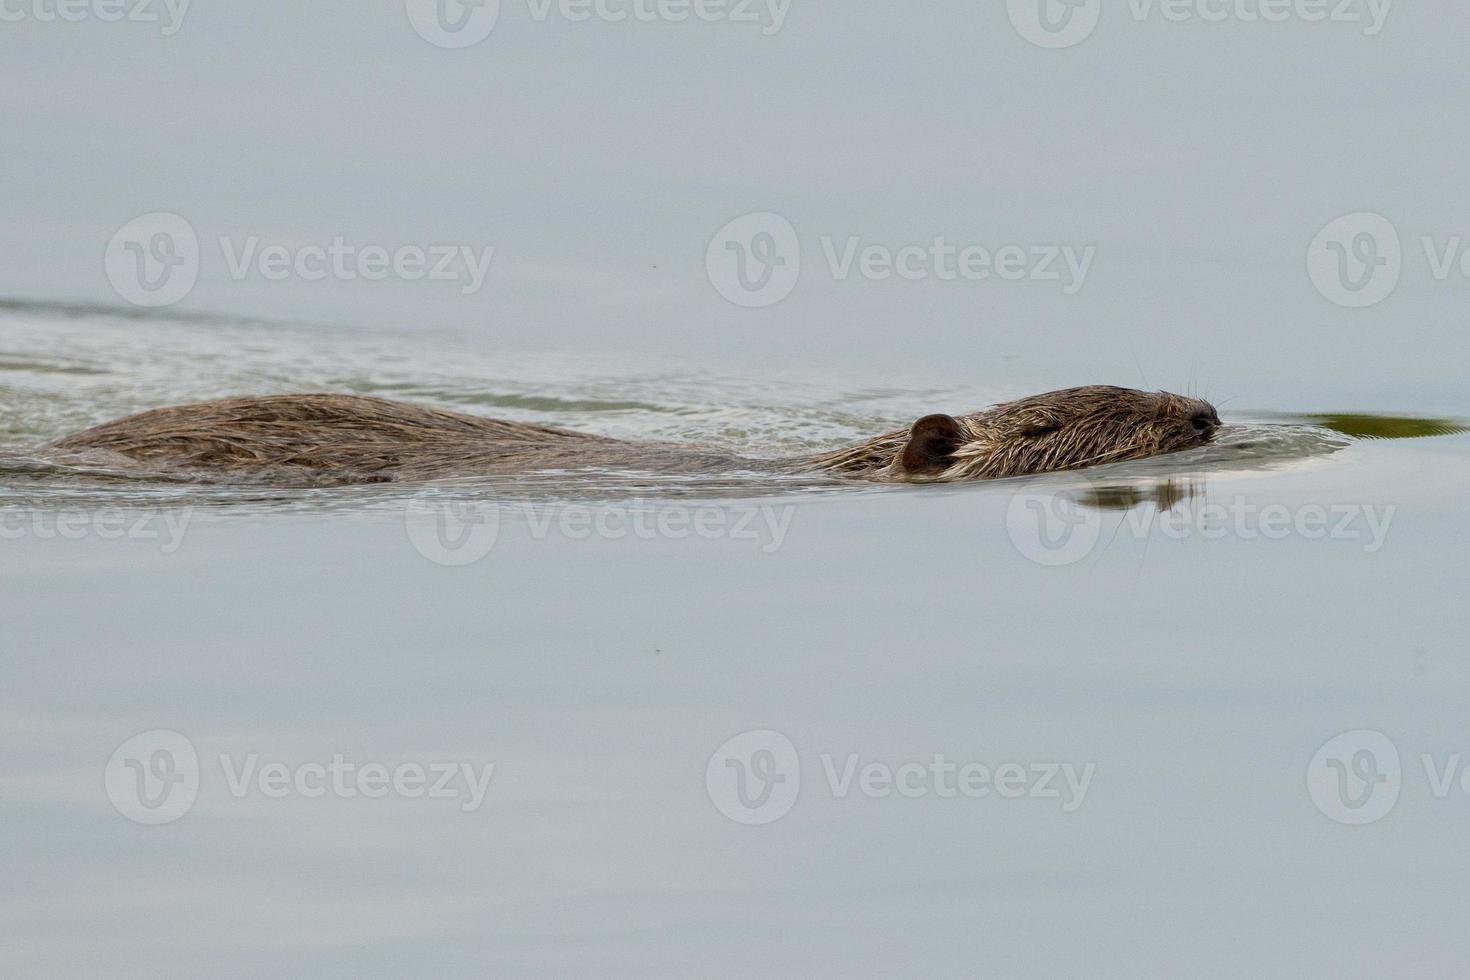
(1165, 495)
(352, 439)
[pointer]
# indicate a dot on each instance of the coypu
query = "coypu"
(359, 439)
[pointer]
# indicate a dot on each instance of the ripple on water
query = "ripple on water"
(130, 362)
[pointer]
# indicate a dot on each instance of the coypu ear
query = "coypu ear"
(931, 445)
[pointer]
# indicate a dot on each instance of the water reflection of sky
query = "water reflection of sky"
(1198, 674)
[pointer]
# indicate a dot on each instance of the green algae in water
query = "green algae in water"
(1387, 426)
(1363, 425)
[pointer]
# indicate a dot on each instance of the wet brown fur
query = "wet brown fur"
(1059, 430)
(357, 439)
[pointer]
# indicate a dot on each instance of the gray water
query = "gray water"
(1201, 715)
(1187, 674)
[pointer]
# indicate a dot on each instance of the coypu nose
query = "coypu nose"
(1205, 422)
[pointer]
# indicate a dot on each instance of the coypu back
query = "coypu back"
(355, 438)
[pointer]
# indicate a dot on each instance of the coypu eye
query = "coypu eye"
(1204, 421)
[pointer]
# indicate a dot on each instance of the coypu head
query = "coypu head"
(1059, 430)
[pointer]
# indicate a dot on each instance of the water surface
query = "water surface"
(1063, 621)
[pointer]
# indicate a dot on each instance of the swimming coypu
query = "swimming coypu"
(358, 439)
